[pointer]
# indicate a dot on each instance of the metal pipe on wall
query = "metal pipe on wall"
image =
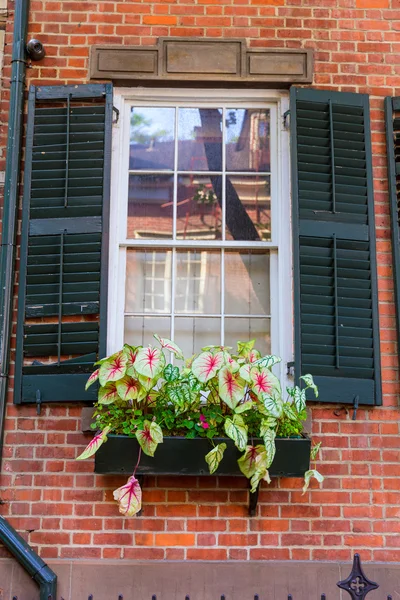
(11, 196)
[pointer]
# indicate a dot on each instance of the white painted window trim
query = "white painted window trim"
(281, 261)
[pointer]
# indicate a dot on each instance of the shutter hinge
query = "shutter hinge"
(286, 119)
(355, 407)
(290, 368)
(116, 111)
(38, 402)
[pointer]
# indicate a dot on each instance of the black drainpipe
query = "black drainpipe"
(27, 557)
(11, 195)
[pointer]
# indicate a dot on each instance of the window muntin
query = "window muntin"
(228, 322)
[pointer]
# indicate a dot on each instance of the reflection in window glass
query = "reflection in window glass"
(148, 281)
(199, 139)
(247, 139)
(198, 282)
(138, 331)
(248, 207)
(247, 283)
(199, 212)
(152, 135)
(193, 333)
(244, 329)
(150, 206)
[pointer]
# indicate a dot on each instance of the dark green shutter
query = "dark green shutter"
(392, 114)
(62, 300)
(335, 280)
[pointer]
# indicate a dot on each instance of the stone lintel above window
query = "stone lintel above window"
(202, 60)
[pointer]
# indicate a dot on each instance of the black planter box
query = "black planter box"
(180, 456)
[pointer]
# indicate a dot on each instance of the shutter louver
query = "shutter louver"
(335, 287)
(62, 300)
(392, 115)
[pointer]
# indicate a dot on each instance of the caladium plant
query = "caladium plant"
(149, 392)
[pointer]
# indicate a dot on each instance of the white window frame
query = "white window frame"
(281, 238)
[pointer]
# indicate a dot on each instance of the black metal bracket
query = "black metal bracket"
(357, 583)
(355, 407)
(253, 501)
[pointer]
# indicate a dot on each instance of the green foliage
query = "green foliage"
(217, 393)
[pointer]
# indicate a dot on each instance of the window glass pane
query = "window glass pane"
(148, 281)
(199, 139)
(247, 139)
(150, 206)
(247, 283)
(245, 329)
(248, 207)
(193, 333)
(199, 211)
(138, 331)
(198, 277)
(152, 138)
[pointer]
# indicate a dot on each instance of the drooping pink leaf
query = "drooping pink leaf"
(255, 457)
(207, 365)
(108, 394)
(128, 388)
(149, 362)
(113, 369)
(170, 345)
(253, 355)
(94, 377)
(129, 497)
(263, 381)
(95, 444)
(148, 436)
(231, 387)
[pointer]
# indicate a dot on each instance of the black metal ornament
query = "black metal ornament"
(357, 583)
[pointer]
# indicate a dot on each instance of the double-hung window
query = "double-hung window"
(200, 220)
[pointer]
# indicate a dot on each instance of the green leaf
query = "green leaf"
(315, 450)
(254, 458)
(171, 373)
(94, 377)
(108, 394)
(156, 432)
(259, 474)
(309, 381)
(170, 345)
(289, 412)
(241, 408)
(207, 365)
(270, 448)
(180, 395)
(128, 388)
(149, 362)
(307, 478)
(145, 438)
(266, 424)
(299, 398)
(273, 405)
(236, 429)
(231, 387)
(214, 457)
(94, 444)
(244, 348)
(268, 361)
(113, 369)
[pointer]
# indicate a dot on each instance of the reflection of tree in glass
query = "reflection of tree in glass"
(204, 195)
(139, 133)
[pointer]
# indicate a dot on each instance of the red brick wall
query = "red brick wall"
(357, 48)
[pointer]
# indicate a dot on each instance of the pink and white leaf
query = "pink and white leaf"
(113, 369)
(149, 362)
(128, 388)
(252, 459)
(94, 444)
(130, 353)
(245, 372)
(129, 497)
(207, 365)
(146, 440)
(94, 377)
(108, 394)
(264, 382)
(170, 345)
(231, 387)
